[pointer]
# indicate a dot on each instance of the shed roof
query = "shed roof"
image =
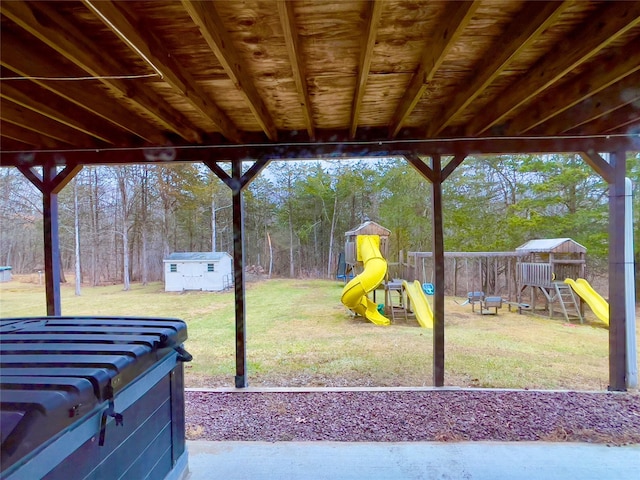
(196, 256)
(552, 244)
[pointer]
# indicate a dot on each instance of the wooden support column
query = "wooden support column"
(237, 182)
(436, 175)
(438, 266)
(617, 310)
(50, 184)
(241, 380)
(51, 252)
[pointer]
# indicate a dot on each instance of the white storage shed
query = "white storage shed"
(5, 274)
(208, 271)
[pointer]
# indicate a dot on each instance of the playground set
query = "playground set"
(541, 276)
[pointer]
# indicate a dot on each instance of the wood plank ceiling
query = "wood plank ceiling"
(98, 74)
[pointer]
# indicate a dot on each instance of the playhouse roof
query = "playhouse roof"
(555, 245)
(369, 228)
(196, 256)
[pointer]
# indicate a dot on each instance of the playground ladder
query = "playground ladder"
(567, 300)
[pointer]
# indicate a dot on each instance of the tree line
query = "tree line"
(117, 223)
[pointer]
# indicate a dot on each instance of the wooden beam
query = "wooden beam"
(622, 120)
(454, 163)
(374, 12)
(63, 177)
(61, 33)
(423, 169)
(215, 33)
(28, 61)
(584, 42)
(30, 120)
(338, 148)
(245, 178)
(52, 180)
(55, 108)
(220, 173)
(34, 177)
(599, 164)
(522, 31)
(456, 16)
(291, 40)
(561, 98)
(253, 172)
(143, 42)
(606, 101)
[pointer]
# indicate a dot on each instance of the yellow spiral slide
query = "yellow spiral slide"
(354, 295)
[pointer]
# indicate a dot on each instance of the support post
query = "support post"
(51, 251)
(617, 288)
(237, 182)
(50, 184)
(438, 265)
(238, 272)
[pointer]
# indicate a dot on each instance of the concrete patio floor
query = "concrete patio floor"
(411, 460)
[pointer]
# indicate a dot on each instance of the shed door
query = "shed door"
(192, 282)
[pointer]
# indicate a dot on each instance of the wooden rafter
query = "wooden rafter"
(215, 34)
(622, 121)
(143, 41)
(29, 137)
(523, 30)
(72, 44)
(10, 144)
(586, 41)
(30, 120)
(454, 20)
(287, 19)
(68, 114)
(28, 62)
(596, 106)
(565, 96)
(374, 11)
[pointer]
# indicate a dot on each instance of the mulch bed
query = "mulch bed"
(398, 416)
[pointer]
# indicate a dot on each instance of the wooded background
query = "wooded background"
(123, 220)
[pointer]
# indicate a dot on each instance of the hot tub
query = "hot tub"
(92, 398)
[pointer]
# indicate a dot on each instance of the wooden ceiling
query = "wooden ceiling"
(98, 75)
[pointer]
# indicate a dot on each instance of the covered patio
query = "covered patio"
(236, 85)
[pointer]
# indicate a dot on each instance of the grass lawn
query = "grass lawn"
(299, 334)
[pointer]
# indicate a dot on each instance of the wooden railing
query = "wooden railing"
(534, 274)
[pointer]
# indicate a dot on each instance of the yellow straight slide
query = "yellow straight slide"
(354, 295)
(598, 305)
(420, 305)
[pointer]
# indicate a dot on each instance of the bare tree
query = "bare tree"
(76, 228)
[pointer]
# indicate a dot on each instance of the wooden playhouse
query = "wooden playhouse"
(542, 267)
